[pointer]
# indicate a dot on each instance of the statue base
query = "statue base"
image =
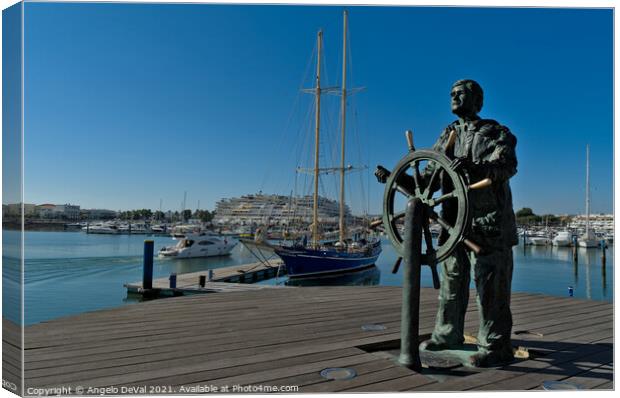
(447, 359)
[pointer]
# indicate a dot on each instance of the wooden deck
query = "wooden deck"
(227, 279)
(285, 337)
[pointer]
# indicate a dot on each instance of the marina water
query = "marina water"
(72, 272)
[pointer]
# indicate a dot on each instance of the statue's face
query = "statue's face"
(463, 101)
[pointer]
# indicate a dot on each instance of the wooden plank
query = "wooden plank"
(269, 330)
(362, 379)
(492, 378)
(418, 381)
(606, 386)
(192, 319)
(316, 383)
(219, 346)
(589, 379)
(554, 372)
(290, 371)
(263, 366)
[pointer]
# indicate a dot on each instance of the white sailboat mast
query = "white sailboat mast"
(587, 191)
(315, 208)
(343, 104)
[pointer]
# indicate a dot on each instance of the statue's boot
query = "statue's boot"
(434, 345)
(486, 359)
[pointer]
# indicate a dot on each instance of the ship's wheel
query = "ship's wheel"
(419, 175)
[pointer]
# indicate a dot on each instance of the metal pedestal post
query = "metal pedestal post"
(410, 316)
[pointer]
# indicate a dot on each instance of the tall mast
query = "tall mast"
(587, 191)
(343, 105)
(315, 208)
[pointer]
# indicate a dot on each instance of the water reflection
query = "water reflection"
(366, 277)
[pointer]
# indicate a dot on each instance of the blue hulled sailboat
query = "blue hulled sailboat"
(347, 254)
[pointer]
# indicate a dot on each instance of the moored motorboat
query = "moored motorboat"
(102, 228)
(199, 245)
(563, 239)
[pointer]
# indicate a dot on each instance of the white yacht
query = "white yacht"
(537, 238)
(137, 228)
(202, 244)
(102, 228)
(563, 239)
(179, 231)
(588, 239)
(159, 229)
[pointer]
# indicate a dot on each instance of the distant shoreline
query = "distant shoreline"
(36, 226)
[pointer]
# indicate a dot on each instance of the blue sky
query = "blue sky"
(127, 104)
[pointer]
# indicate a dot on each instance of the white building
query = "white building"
(99, 214)
(598, 222)
(66, 211)
(262, 209)
(14, 209)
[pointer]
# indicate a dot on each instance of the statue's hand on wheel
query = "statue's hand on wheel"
(382, 174)
(461, 163)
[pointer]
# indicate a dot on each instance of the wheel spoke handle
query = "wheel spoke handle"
(443, 198)
(436, 283)
(409, 136)
(481, 184)
(397, 265)
(374, 224)
(451, 140)
(398, 215)
(474, 247)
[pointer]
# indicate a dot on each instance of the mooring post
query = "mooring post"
(173, 281)
(87, 227)
(524, 239)
(410, 313)
(147, 269)
(201, 280)
(575, 246)
(603, 255)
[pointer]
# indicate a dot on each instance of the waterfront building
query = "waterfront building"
(14, 209)
(46, 210)
(260, 209)
(66, 211)
(99, 214)
(602, 223)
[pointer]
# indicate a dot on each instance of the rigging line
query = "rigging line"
(359, 153)
(266, 260)
(303, 139)
(259, 258)
(292, 111)
(356, 124)
(330, 157)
